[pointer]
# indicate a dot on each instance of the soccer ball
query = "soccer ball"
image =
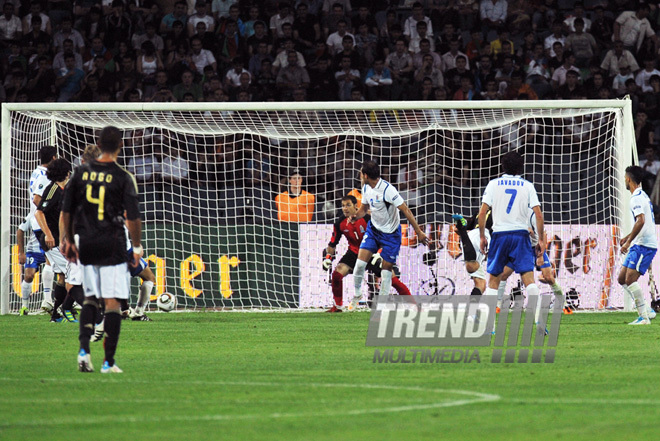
(166, 302)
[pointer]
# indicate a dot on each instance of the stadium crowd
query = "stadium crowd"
(328, 50)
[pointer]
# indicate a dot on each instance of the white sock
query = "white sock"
(490, 292)
(47, 275)
(626, 289)
(500, 293)
(143, 298)
(533, 290)
(385, 282)
(26, 290)
(637, 294)
(358, 275)
(557, 291)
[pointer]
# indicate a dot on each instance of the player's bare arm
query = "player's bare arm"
(20, 241)
(482, 227)
(41, 220)
(540, 227)
(639, 224)
(421, 237)
(624, 239)
(135, 230)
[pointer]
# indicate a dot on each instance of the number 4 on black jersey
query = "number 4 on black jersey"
(96, 196)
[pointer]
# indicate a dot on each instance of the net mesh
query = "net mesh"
(208, 183)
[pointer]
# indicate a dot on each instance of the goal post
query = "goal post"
(209, 175)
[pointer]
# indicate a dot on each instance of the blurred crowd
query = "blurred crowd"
(329, 50)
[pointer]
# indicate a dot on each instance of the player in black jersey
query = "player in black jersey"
(92, 230)
(47, 216)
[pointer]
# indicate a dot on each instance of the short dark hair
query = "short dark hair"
(58, 170)
(513, 163)
(636, 173)
(109, 139)
(47, 153)
(371, 169)
(350, 197)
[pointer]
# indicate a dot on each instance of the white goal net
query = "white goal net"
(209, 177)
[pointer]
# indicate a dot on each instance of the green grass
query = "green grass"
(211, 376)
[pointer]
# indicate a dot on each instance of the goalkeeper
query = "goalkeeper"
(353, 231)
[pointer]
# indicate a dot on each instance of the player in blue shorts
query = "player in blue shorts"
(542, 263)
(31, 257)
(510, 197)
(640, 245)
(383, 230)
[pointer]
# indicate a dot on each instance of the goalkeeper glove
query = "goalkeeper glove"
(377, 260)
(327, 260)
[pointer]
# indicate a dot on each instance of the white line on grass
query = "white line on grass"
(607, 401)
(470, 398)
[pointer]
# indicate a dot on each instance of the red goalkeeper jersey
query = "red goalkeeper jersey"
(352, 231)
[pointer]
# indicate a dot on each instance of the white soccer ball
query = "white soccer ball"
(166, 302)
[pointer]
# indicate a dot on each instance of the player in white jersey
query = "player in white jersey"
(31, 257)
(510, 197)
(383, 229)
(38, 183)
(468, 231)
(640, 245)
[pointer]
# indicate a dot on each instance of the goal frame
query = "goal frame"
(625, 136)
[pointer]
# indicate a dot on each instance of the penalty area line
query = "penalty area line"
(466, 397)
(603, 401)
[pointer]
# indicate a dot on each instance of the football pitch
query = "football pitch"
(243, 376)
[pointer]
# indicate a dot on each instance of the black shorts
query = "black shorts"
(350, 258)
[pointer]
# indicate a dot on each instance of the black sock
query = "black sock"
(67, 305)
(112, 327)
(476, 292)
(87, 316)
(59, 294)
(469, 253)
(77, 293)
(124, 304)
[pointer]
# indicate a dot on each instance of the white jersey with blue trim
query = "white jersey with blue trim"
(38, 183)
(383, 199)
(641, 204)
(34, 178)
(32, 242)
(510, 198)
